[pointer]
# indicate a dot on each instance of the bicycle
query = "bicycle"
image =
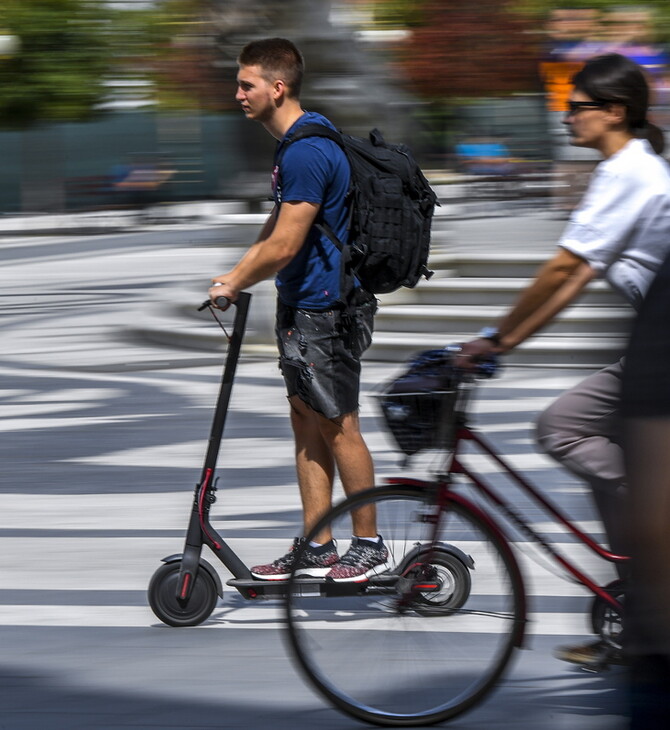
(455, 574)
(427, 640)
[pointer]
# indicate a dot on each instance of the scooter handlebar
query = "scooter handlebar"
(221, 302)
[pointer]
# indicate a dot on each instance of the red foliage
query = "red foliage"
(190, 71)
(469, 50)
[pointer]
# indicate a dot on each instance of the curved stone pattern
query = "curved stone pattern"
(103, 439)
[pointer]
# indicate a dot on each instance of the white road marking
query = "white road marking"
(263, 616)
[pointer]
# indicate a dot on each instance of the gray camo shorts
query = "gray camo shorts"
(320, 354)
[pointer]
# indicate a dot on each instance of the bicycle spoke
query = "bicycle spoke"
(427, 644)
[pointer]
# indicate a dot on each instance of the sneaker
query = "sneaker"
(315, 562)
(362, 559)
(595, 655)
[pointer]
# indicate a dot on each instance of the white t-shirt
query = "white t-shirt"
(622, 226)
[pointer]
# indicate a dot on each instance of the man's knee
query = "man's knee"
(340, 432)
(304, 416)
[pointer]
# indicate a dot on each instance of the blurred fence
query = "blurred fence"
(519, 121)
(82, 166)
(73, 166)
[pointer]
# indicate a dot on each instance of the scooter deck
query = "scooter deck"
(312, 586)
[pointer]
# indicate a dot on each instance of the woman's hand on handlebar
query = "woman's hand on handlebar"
(475, 351)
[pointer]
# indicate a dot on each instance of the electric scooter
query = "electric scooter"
(185, 589)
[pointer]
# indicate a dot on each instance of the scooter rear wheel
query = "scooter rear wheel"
(163, 597)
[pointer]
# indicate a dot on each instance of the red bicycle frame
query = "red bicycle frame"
(465, 434)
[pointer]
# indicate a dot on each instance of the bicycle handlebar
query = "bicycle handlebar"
(483, 366)
(487, 367)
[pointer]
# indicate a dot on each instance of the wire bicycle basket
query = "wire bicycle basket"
(419, 421)
(419, 407)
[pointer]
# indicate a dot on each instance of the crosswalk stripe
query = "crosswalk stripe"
(251, 617)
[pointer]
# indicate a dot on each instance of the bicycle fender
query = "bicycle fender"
(176, 558)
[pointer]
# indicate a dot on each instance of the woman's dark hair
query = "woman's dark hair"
(615, 79)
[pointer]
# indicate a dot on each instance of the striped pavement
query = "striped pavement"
(102, 439)
(129, 530)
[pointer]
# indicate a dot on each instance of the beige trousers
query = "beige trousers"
(582, 430)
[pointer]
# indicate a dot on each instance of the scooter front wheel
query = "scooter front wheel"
(173, 612)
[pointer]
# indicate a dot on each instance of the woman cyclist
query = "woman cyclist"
(619, 231)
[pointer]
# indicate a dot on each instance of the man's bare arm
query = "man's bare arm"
(281, 237)
(269, 225)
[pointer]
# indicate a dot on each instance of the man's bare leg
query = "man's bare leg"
(322, 444)
(315, 465)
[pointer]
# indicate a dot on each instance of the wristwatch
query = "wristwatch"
(490, 333)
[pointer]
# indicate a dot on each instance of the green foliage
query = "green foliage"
(542, 7)
(69, 48)
(186, 60)
(398, 13)
(56, 73)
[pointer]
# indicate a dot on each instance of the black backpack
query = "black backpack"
(391, 209)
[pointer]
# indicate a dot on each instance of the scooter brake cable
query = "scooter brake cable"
(220, 323)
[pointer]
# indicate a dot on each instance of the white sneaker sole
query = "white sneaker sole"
(377, 570)
(311, 572)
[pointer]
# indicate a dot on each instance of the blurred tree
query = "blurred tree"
(456, 58)
(540, 10)
(409, 13)
(188, 65)
(58, 61)
(73, 59)
(477, 50)
(182, 46)
(398, 13)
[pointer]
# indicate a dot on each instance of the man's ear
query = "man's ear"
(278, 89)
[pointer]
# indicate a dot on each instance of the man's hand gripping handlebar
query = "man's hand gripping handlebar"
(220, 302)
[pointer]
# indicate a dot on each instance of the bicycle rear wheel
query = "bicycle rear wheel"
(429, 638)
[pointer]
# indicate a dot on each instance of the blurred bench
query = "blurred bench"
(487, 158)
(88, 190)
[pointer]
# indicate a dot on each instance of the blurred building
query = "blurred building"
(213, 149)
(575, 35)
(175, 100)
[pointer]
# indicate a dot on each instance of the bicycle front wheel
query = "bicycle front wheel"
(425, 640)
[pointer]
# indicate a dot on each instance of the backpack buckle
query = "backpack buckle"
(359, 249)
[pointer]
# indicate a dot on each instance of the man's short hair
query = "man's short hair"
(278, 58)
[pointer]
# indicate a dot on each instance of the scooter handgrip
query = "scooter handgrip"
(221, 302)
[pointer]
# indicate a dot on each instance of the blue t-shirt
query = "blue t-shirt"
(314, 170)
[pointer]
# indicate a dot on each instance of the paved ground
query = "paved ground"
(103, 438)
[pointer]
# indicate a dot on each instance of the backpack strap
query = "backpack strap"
(315, 130)
(347, 273)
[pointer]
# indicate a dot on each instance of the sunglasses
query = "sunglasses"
(576, 106)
